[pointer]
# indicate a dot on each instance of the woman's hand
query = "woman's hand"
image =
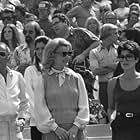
(61, 133)
(73, 132)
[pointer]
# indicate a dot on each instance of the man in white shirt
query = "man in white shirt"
(13, 100)
(103, 59)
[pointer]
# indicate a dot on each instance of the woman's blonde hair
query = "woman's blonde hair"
(97, 22)
(50, 51)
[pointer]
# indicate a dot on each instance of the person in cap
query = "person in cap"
(44, 9)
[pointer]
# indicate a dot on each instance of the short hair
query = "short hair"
(50, 51)
(131, 46)
(133, 34)
(21, 8)
(106, 30)
(62, 17)
(36, 26)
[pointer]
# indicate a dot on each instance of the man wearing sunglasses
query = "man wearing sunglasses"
(13, 100)
(81, 39)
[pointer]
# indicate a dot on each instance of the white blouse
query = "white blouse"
(43, 117)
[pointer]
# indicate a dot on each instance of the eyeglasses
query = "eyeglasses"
(2, 54)
(64, 54)
(127, 57)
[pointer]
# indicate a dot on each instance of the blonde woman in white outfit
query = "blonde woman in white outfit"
(32, 75)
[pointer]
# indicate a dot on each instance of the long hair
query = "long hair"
(44, 40)
(15, 37)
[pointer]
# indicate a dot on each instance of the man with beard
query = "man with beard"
(24, 54)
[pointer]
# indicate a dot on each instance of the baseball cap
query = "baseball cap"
(44, 4)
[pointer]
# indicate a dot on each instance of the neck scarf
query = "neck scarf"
(60, 74)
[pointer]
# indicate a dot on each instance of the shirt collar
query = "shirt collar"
(112, 46)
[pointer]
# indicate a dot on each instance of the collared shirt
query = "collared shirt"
(43, 116)
(22, 54)
(13, 98)
(100, 57)
(81, 39)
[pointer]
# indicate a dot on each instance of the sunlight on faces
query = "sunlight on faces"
(92, 25)
(63, 55)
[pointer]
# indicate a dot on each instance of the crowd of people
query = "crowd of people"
(67, 64)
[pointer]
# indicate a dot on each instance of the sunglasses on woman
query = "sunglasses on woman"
(2, 54)
(64, 54)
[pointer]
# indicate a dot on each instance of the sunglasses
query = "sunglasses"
(64, 54)
(2, 54)
(127, 57)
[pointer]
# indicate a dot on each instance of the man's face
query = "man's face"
(7, 18)
(29, 33)
(43, 13)
(58, 25)
(87, 3)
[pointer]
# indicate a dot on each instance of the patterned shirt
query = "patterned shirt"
(81, 39)
(22, 55)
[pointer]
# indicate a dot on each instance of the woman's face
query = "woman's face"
(110, 18)
(92, 26)
(62, 57)
(133, 19)
(121, 3)
(39, 49)
(8, 33)
(134, 8)
(127, 60)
